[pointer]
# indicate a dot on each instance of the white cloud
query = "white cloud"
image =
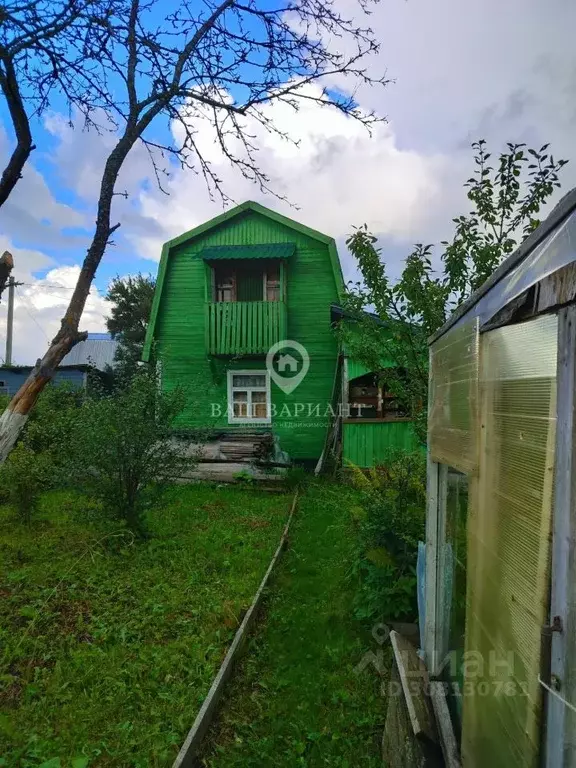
(463, 69)
(336, 176)
(32, 214)
(38, 308)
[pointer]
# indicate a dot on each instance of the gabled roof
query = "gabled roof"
(217, 221)
(97, 350)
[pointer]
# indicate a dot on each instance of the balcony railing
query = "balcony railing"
(244, 327)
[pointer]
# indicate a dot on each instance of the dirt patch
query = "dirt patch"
(73, 618)
(254, 523)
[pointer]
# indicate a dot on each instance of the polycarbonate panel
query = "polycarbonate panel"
(509, 524)
(453, 407)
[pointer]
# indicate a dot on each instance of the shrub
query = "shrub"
(53, 419)
(391, 522)
(23, 477)
(122, 450)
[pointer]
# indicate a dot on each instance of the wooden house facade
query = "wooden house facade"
(227, 292)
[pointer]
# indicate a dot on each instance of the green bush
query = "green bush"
(52, 420)
(121, 450)
(390, 522)
(23, 477)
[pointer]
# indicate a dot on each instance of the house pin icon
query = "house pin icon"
(287, 362)
(284, 373)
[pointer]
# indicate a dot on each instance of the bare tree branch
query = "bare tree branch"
(215, 65)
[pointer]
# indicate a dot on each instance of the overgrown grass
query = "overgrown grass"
(108, 647)
(296, 699)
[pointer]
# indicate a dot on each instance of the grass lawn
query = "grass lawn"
(295, 699)
(108, 647)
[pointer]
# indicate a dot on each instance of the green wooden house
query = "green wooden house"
(227, 292)
(373, 422)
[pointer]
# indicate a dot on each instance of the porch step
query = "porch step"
(244, 447)
(230, 473)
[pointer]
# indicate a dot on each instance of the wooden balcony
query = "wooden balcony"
(244, 327)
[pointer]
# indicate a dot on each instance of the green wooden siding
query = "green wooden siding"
(245, 327)
(356, 368)
(367, 444)
(182, 331)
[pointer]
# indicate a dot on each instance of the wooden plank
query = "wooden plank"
(228, 326)
(414, 681)
(258, 346)
(214, 315)
(241, 327)
(232, 319)
(250, 327)
(189, 751)
(265, 325)
(221, 329)
(446, 731)
(560, 739)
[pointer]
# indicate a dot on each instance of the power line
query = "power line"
(31, 316)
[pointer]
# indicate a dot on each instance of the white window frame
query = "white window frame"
(231, 389)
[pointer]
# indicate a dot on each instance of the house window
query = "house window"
(272, 283)
(246, 282)
(248, 397)
(370, 398)
(225, 284)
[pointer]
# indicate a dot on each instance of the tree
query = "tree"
(218, 63)
(121, 448)
(42, 52)
(131, 299)
(506, 201)
(6, 267)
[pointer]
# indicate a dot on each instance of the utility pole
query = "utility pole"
(10, 323)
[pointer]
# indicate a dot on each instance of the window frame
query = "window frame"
(217, 287)
(275, 283)
(232, 419)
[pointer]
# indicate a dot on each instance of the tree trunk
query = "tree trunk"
(16, 414)
(6, 266)
(14, 418)
(13, 170)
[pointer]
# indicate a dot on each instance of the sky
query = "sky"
(460, 70)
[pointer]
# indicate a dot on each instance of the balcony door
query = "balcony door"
(247, 282)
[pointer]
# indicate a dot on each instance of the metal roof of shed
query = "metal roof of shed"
(97, 350)
(263, 251)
